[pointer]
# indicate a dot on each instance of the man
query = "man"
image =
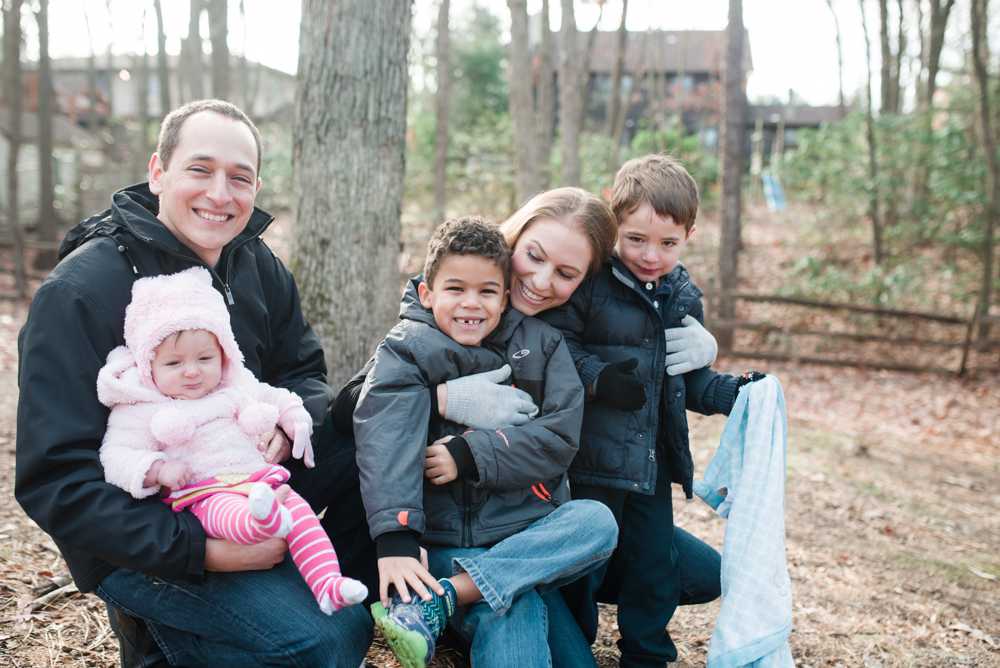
(207, 602)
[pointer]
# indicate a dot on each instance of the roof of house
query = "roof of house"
(794, 115)
(694, 51)
(64, 132)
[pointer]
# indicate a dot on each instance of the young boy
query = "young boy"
(634, 440)
(491, 507)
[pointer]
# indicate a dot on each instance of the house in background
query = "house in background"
(778, 124)
(667, 74)
(263, 92)
(74, 149)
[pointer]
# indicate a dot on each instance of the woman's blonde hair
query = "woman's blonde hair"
(574, 207)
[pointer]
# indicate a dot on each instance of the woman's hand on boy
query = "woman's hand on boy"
(405, 573)
(689, 347)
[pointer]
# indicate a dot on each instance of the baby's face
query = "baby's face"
(188, 364)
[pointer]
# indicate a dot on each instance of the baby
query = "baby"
(187, 415)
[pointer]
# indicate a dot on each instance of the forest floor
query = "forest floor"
(892, 517)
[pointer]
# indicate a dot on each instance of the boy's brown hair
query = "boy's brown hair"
(661, 182)
(469, 235)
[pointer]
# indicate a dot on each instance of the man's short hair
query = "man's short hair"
(468, 235)
(661, 182)
(170, 129)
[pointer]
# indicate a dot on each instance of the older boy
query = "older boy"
(634, 439)
(491, 507)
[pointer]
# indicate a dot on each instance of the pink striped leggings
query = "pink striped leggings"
(227, 515)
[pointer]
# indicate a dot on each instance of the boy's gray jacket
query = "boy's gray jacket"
(520, 471)
(76, 319)
(608, 319)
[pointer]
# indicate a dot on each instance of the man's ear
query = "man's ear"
(156, 174)
(424, 293)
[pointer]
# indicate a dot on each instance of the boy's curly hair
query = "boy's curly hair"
(659, 181)
(468, 235)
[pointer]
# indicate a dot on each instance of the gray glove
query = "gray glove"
(484, 401)
(689, 347)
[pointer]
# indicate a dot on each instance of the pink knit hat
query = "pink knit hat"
(162, 305)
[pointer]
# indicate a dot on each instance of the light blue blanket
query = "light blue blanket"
(748, 469)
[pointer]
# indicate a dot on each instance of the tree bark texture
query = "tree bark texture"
(546, 102)
(979, 16)
(162, 71)
(348, 156)
(522, 113)
(218, 26)
(585, 59)
(569, 96)
(12, 100)
(46, 205)
(441, 110)
(731, 169)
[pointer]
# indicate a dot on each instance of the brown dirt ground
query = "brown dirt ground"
(892, 520)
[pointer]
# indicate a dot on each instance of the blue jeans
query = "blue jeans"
(509, 627)
(248, 618)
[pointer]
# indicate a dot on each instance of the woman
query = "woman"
(560, 238)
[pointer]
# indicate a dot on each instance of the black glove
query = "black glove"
(619, 389)
(746, 379)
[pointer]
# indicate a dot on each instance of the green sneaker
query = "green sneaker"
(412, 629)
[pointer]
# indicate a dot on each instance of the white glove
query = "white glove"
(484, 401)
(689, 347)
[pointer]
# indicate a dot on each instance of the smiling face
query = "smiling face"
(188, 364)
(650, 245)
(208, 190)
(550, 260)
(467, 297)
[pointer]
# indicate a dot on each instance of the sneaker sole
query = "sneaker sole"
(409, 647)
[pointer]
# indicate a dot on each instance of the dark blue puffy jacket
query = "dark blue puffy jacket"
(610, 318)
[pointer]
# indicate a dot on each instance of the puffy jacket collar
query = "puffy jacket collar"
(410, 308)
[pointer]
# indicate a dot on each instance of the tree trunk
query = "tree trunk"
(569, 96)
(218, 27)
(162, 71)
(12, 100)
(897, 63)
(731, 168)
(615, 102)
(46, 204)
(111, 63)
(546, 102)
(349, 160)
(520, 104)
(441, 110)
(886, 79)
(873, 198)
(141, 152)
(939, 20)
(840, 62)
(193, 52)
(979, 16)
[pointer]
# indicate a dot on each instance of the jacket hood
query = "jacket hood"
(410, 308)
(118, 381)
(162, 305)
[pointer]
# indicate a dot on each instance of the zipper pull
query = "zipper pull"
(229, 295)
(652, 455)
